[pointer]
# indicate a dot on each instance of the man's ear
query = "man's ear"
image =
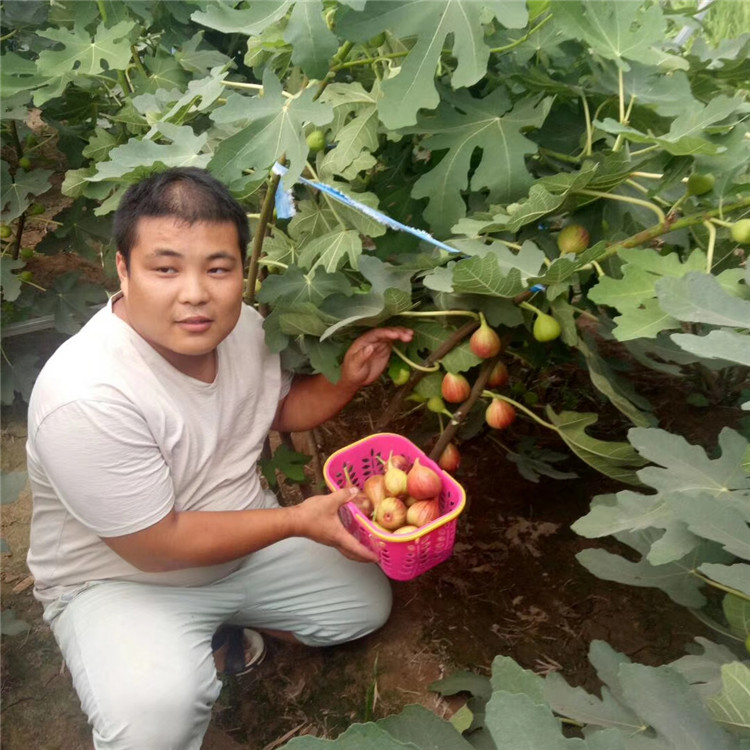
(122, 270)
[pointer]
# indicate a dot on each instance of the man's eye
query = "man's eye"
(166, 269)
(218, 270)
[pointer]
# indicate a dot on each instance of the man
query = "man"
(150, 528)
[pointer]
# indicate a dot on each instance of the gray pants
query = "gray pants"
(140, 655)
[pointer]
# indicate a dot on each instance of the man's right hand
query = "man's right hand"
(318, 519)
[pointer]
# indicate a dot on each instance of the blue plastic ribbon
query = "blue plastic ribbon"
(285, 209)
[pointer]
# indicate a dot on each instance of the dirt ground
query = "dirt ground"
(512, 587)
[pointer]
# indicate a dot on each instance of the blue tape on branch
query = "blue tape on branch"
(285, 210)
(374, 214)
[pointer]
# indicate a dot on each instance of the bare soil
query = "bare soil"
(512, 587)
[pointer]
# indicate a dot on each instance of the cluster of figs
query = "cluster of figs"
(402, 499)
(455, 389)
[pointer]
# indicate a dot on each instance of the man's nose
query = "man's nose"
(194, 289)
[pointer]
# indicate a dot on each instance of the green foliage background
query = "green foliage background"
(491, 125)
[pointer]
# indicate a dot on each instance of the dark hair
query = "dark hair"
(188, 194)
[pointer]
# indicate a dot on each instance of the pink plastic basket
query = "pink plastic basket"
(402, 556)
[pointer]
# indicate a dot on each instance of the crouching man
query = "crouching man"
(151, 532)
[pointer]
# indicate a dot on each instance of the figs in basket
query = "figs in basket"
(423, 512)
(390, 513)
(422, 482)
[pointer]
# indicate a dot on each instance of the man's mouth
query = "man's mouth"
(196, 323)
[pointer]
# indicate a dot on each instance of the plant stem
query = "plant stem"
(528, 412)
(711, 245)
(589, 130)
(641, 238)
(438, 314)
(624, 199)
(560, 157)
(727, 224)
(515, 44)
(448, 345)
(460, 414)
(266, 213)
(137, 61)
(344, 50)
(719, 586)
(528, 306)
(414, 365)
(648, 175)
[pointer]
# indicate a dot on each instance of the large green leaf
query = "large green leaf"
(675, 579)
(356, 110)
(735, 576)
(295, 286)
(731, 708)
(729, 346)
(357, 737)
(686, 467)
(634, 294)
(484, 276)
(700, 298)
(70, 301)
(619, 31)
(133, 157)
(313, 43)
(17, 376)
(367, 310)
(16, 190)
(82, 55)
(422, 728)
(463, 124)
(331, 250)
(687, 134)
(250, 21)
(275, 129)
(668, 704)
(710, 519)
(615, 459)
(431, 22)
(618, 391)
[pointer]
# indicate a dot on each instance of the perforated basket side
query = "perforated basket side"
(402, 557)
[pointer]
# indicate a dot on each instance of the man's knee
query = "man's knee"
(172, 715)
(364, 608)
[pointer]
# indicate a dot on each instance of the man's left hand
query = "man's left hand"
(368, 355)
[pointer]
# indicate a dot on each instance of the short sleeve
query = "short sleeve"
(105, 466)
(286, 383)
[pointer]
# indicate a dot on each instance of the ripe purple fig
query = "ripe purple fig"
(455, 388)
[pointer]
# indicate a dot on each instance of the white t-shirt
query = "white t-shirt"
(118, 437)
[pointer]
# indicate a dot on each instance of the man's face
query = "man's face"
(183, 291)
